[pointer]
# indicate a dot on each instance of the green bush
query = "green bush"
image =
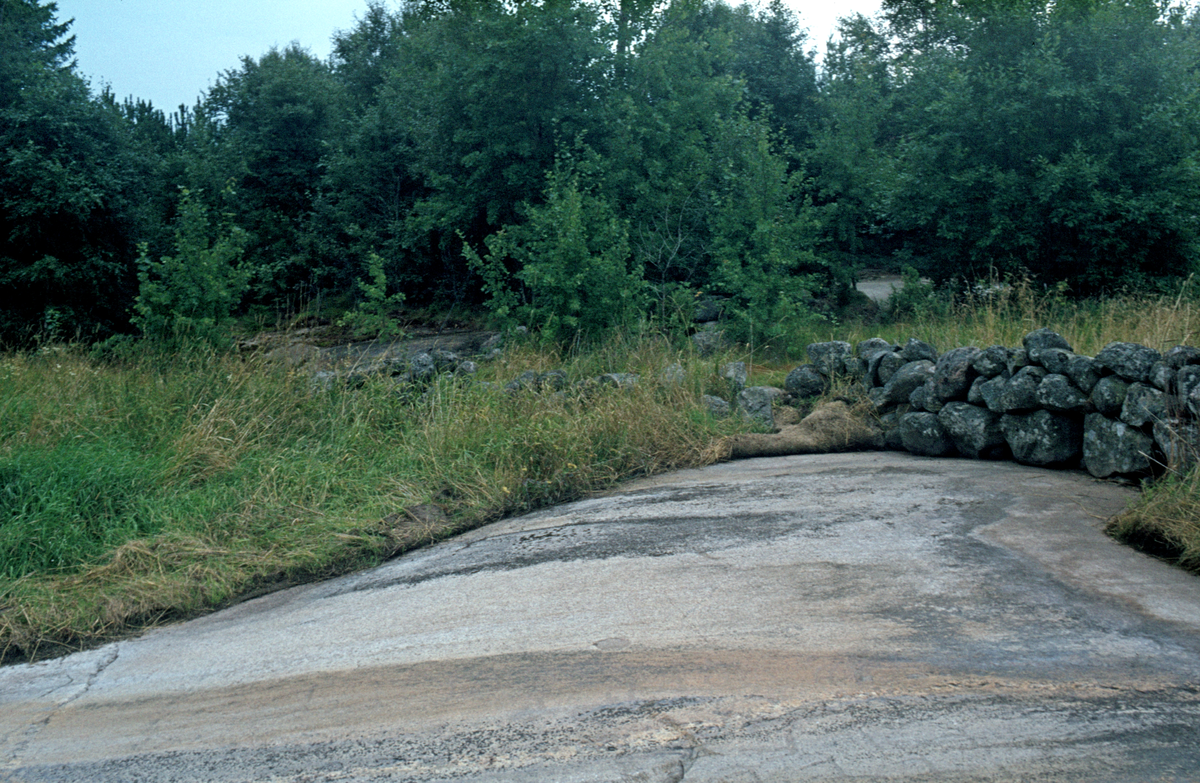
(193, 293)
(575, 273)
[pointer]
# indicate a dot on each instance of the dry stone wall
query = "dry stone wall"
(1129, 410)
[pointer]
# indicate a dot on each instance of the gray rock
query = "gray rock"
(466, 367)
(975, 431)
(906, 380)
(1144, 405)
(718, 407)
(755, 404)
(1109, 396)
(889, 364)
(1083, 373)
(854, 368)
(1020, 392)
(735, 373)
(1186, 379)
(709, 341)
(527, 380)
(868, 348)
(890, 424)
(990, 392)
(805, 381)
(1017, 358)
(1162, 376)
(1181, 356)
(1129, 360)
(1056, 393)
(916, 350)
(1112, 447)
(869, 353)
(1179, 442)
(445, 360)
(552, 380)
(922, 433)
(917, 399)
(953, 374)
(491, 344)
(672, 375)
(618, 380)
(991, 361)
(421, 367)
(1037, 341)
(323, 380)
(1193, 401)
(829, 358)
(1055, 360)
(1043, 438)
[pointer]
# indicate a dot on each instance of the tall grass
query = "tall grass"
(159, 487)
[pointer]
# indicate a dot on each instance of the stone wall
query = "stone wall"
(1129, 410)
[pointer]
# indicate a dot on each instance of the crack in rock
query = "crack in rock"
(31, 731)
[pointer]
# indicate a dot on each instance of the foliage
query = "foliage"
(72, 186)
(575, 273)
(192, 294)
(1056, 141)
(195, 479)
(374, 315)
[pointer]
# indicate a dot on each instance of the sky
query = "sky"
(170, 51)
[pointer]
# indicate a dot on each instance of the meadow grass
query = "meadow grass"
(157, 487)
(153, 489)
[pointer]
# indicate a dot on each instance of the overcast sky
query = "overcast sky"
(169, 51)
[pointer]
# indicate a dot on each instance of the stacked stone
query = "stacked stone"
(1122, 412)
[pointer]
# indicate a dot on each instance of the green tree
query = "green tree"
(1056, 141)
(575, 275)
(275, 119)
(72, 187)
(192, 294)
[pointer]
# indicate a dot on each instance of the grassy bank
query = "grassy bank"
(165, 486)
(154, 488)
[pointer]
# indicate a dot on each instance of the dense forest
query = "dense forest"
(575, 165)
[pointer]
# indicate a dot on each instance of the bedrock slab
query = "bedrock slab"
(824, 617)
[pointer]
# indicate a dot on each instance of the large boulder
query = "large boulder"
(1057, 393)
(953, 374)
(922, 433)
(1042, 339)
(1144, 405)
(1179, 442)
(1108, 396)
(917, 350)
(1055, 360)
(975, 431)
(1083, 373)
(1112, 447)
(1186, 379)
(991, 361)
(754, 402)
(1043, 438)
(1128, 360)
(830, 358)
(887, 365)
(902, 384)
(1181, 356)
(735, 374)
(709, 341)
(806, 381)
(1020, 392)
